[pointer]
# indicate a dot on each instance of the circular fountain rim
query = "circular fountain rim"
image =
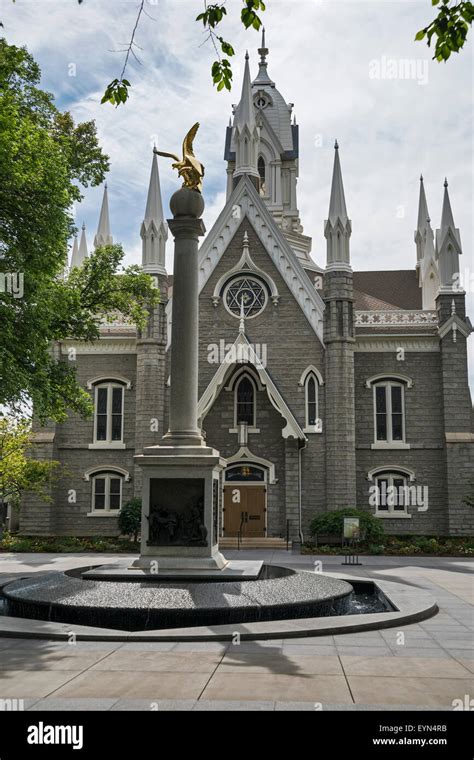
(412, 605)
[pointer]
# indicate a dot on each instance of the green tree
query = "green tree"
(130, 518)
(449, 28)
(44, 159)
(20, 472)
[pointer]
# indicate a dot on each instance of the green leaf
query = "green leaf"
(421, 34)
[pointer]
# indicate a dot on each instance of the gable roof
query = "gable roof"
(245, 202)
(242, 353)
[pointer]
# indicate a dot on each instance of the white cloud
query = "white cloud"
(321, 57)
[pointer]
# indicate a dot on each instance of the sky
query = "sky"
(334, 60)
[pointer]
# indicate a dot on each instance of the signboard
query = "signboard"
(351, 529)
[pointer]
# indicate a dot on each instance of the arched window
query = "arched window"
(391, 493)
(310, 380)
(245, 411)
(245, 472)
(262, 174)
(106, 492)
(311, 401)
(108, 422)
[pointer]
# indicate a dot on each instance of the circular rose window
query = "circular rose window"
(245, 293)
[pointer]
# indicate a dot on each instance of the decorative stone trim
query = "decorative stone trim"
(107, 468)
(105, 446)
(103, 346)
(308, 371)
(459, 437)
(245, 454)
(107, 378)
(106, 513)
(396, 317)
(391, 516)
(384, 344)
(389, 376)
(385, 446)
(390, 468)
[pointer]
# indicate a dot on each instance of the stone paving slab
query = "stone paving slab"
(296, 664)
(127, 684)
(437, 692)
(279, 687)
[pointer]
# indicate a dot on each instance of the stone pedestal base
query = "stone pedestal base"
(180, 509)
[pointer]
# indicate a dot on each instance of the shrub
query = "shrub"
(371, 528)
(130, 518)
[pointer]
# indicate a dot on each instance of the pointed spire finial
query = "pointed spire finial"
(154, 230)
(79, 253)
(247, 55)
(103, 235)
(446, 182)
(423, 217)
(337, 203)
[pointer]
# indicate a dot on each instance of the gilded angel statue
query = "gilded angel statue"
(189, 168)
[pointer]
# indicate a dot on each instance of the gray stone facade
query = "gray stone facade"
(352, 333)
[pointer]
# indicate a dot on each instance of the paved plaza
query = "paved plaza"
(426, 665)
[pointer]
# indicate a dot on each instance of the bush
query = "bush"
(371, 528)
(130, 518)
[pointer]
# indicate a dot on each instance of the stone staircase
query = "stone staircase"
(230, 542)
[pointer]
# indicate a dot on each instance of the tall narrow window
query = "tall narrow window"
(312, 422)
(262, 173)
(245, 402)
(108, 413)
(311, 401)
(389, 412)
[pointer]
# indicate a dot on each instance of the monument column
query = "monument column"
(180, 496)
(186, 206)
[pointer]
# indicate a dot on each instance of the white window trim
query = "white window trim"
(108, 443)
(389, 443)
(250, 428)
(107, 511)
(391, 513)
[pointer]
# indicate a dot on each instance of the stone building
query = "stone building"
(322, 387)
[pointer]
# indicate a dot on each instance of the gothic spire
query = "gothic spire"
(246, 134)
(262, 76)
(423, 217)
(103, 235)
(79, 255)
(245, 113)
(337, 202)
(154, 205)
(337, 227)
(154, 230)
(75, 252)
(448, 246)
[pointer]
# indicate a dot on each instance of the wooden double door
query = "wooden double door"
(244, 505)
